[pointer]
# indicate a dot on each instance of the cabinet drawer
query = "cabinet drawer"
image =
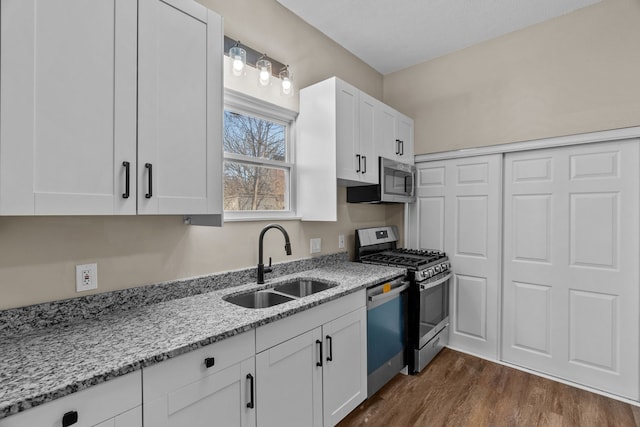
(160, 379)
(276, 332)
(94, 405)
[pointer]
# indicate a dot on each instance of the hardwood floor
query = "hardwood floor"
(461, 390)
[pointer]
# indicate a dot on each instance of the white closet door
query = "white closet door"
(179, 108)
(570, 293)
(458, 210)
(68, 107)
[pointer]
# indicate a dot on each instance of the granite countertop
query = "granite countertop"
(48, 363)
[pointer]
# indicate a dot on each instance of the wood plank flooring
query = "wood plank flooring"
(461, 390)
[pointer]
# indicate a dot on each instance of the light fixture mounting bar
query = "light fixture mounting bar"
(253, 55)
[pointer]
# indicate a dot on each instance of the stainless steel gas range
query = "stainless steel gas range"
(429, 274)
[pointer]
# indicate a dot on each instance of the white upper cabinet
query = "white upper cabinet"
(74, 77)
(340, 131)
(394, 134)
(336, 118)
(180, 108)
(68, 107)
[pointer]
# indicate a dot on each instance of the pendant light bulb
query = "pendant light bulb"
(238, 59)
(287, 81)
(264, 71)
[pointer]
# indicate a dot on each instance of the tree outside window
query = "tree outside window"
(256, 172)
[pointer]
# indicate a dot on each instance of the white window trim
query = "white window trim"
(241, 103)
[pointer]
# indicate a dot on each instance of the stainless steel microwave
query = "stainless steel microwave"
(396, 184)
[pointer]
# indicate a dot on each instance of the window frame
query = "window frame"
(241, 103)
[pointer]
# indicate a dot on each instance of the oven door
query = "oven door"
(433, 308)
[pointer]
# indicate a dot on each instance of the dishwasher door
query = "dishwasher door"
(386, 332)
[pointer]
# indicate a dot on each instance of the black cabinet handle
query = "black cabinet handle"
(209, 362)
(150, 167)
(397, 146)
(330, 342)
(364, 162)
(250, 403)
(70, 418)
(319, 363)
(127, 171)
(358, 156)
(402, 148)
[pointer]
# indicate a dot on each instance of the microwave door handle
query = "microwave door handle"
(413, 184)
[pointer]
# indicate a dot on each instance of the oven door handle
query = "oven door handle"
(436, 283)
(388, 295)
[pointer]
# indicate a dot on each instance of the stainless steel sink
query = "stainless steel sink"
(258, 299)
(303, 287)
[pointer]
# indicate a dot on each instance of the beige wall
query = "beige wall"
(38, 254)
(576, 73)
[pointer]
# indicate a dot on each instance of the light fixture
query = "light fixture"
(238, 59)
(286, 80)
(241, 55)
(264, 70)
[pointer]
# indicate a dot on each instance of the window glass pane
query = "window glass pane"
(254, 137)
(250, 188)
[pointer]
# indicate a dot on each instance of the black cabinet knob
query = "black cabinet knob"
(209, 362)
(70, 418)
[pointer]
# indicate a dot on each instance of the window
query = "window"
(258, 166)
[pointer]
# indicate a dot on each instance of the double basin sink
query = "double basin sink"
(279, 294)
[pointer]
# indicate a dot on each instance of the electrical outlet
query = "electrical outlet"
(86, 277)
(316, 246)
(341, 241)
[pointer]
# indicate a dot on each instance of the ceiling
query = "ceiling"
(390, 35)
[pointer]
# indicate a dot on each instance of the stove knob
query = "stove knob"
(437, 268)
(430, 272)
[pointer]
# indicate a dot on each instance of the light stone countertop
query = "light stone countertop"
(48, 363)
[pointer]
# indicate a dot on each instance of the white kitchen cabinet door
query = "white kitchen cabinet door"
(131, 418)
(289, 382)
(208, 386)
(394, 134)
(405, 136)
(68, 107)
(349, 159)
(114, 403)
(179, 108)
(387, 142)
(368, 166)
(458, 210)
(218, 399)
(345, 365)
(571, 249)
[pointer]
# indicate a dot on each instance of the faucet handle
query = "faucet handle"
(268, 268)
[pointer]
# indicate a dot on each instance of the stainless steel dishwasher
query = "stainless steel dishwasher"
(386, 332)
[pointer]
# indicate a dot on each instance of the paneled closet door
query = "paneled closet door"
(570, 293)
(179, 108)
(68, 107)
(458, 210)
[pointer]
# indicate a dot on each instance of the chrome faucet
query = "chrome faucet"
(287, 248)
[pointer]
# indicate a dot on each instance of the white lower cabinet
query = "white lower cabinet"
(313, 369)
(115, 403)
(289, 389)
(212, 386)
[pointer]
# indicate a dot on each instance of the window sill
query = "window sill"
(260, 216)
